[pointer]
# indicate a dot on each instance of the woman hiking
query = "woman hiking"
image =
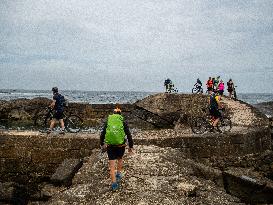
(113, 140)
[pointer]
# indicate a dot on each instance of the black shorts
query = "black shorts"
(58, 115)
(215, 113)
(210, 89)
(221, 92)
(115, 152)
(230, 90)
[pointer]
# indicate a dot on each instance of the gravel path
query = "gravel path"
(152, 177)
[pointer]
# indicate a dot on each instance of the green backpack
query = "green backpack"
(115, 134)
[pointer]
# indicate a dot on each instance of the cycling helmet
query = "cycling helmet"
(55, 89)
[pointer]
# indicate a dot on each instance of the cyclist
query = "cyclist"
(230, 88)
(168, 84)
(209, 84)
(112, 139)
(214, 105)
(198, 85)
(58, 106)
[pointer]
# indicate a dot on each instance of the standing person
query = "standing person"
(216, 83)
(214, 105)
(221, 88)
(58, 106)
(167, 85)
(113, 139)
(230, 88)
(209, 84)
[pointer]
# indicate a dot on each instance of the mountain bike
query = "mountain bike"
(201, 125)
(73, 123)
(170, 88)
(197, 89)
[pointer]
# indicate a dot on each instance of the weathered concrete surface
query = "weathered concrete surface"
(22, 112)
(151, 178)
(251, 187)
(13, 193)
(22, 154)
(65, 172)
(171, 106)
(243, 114)
(37, 155)
(165, 110)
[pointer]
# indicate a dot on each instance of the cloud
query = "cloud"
(95, 45)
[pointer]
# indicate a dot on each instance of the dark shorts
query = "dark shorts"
(115, 152)
(210, 89)
(221, 92)
(58, 115)
(230, 90)
(215, 113)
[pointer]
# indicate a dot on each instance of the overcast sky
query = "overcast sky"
(135, 44)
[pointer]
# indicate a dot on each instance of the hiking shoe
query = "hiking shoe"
(114, 186)
(62, 132)
(48, 131)
(119, 175)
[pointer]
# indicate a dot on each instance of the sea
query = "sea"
(108, 97)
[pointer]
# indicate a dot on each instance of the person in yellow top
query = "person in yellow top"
(214, 105)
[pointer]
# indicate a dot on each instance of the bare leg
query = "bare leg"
(62, 123)
(215, 122)
(120, 164)
(112, 170)
(52, 123)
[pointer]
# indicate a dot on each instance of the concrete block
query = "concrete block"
(66, 171)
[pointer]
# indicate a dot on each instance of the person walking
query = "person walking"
(230, 88)
(113, 140)
(57, 105)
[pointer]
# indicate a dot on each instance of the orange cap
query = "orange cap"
(117, 110)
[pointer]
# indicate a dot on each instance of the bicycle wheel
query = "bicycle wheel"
(74, 123)
(198, 125)
(224, 125)
(194, 90)
(42, 121)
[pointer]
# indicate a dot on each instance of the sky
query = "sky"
(129, 45)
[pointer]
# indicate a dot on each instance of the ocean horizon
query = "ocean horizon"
(107, 97)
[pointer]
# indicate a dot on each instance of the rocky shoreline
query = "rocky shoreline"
(171, 164)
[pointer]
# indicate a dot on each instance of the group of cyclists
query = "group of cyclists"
(215, 89)
(217, 86)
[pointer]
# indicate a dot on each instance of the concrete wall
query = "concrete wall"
(21, 156)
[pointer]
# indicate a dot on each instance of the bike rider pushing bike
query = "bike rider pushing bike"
(58, 106)
(214, 105)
